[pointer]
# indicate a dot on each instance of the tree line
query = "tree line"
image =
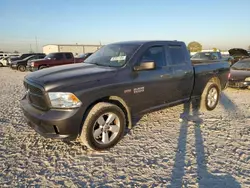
(197, 47)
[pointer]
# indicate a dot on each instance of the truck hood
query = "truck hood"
(238, 52)
(70, 75)
(15, 58)
(17, 61)
(239, 74)
(41, 60)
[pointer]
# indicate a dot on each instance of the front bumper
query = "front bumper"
(54, 123)
(238, 84)
(32, 69)
(13, 66)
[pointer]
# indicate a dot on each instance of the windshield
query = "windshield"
(29, 57)
(25, 55)
(50, 56)
(113, 55)
(82, 55)
(242, 65)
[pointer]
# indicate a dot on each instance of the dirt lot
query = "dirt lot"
(209, 149)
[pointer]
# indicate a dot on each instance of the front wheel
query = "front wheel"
(104, 126)
(21, 68)
(210, 96)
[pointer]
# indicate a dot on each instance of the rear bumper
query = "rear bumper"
(54, 123)
(239, 84)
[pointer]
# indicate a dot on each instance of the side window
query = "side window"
(59, 56)
(155, 54)
(33, 57)
(177, 54)
(68, 56)
(214, 55)
(205, 56)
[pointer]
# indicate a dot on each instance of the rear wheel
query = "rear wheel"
(104, 126)
(21, 68)
(210, 96)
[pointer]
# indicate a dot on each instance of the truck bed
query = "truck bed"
(205, 70)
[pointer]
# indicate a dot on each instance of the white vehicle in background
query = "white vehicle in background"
(4, 58)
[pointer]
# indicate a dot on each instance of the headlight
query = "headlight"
(64, 100)
(247, 79)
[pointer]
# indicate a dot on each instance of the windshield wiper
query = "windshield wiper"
(98, 64)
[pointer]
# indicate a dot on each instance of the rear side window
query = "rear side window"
(177, 54)
(59, 56)
(68, 56)
(155, 54)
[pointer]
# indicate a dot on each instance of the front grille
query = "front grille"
(36, 96)
(33, 89)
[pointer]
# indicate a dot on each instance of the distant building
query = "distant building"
(76, 49)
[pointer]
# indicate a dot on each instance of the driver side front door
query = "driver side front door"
(150, 87)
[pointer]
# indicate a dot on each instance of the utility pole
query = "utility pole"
(36, 45)
(30, 48)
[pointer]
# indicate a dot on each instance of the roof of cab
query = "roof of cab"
(147, 41)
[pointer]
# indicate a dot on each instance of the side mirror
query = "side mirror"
(145, 66)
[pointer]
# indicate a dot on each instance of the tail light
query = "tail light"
(229, 75)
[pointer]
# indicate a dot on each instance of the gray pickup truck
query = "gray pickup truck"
(95, 101)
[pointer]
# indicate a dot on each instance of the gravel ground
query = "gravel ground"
(208, 149)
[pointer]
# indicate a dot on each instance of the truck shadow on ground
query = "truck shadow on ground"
(227, 104)
(204, 177)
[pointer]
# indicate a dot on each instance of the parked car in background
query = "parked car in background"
(205, 57)
(240, 74)
(22, 56)
(53, 59)
(228, 58)
(96, 100)
(22, 64)
(200, 56)
(238, 54)
(248, 52)
(4, 60)
(84, 56)
(2, 55)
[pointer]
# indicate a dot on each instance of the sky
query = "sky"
(222, 24)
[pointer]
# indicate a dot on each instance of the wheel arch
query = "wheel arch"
(113, 100)
(43, 65)
(215, 80)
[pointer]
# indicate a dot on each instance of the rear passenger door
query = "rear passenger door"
(69, 58)
(183, 74)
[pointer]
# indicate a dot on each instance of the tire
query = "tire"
(210, 96)
(94, 124)
(21, 68)
(1, 65)
(42, 67)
